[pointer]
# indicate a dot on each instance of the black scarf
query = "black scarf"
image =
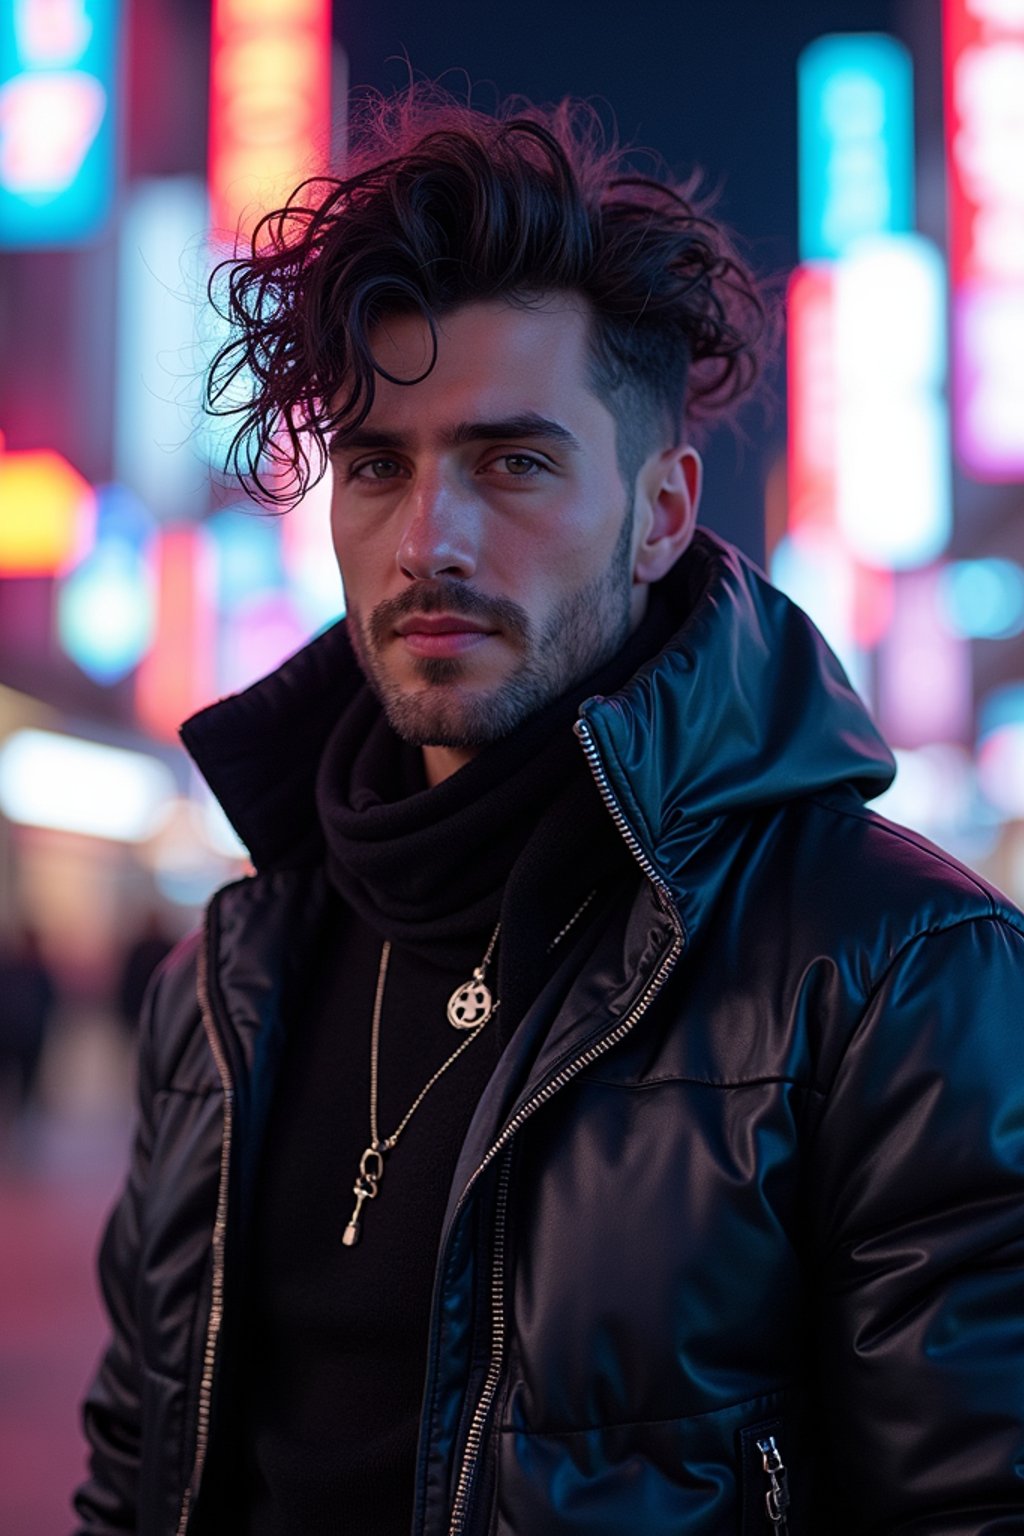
(519, 830)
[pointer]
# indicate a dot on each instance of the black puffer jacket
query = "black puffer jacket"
(752, 1166)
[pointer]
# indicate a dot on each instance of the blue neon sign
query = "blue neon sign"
(58, 109)
(856, 142)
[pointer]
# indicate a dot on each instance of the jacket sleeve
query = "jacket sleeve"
(918, 1188)
(106, 1503)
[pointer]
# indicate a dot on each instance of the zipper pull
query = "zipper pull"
(777, 1498)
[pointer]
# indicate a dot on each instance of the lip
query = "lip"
(440, 624)
(441, 634)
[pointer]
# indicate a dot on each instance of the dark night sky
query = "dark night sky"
(711, 85)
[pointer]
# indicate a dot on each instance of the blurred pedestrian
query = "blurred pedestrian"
(151, 946)
(27, 999)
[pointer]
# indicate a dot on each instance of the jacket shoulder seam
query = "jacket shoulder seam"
(893, 830)
(932, 930)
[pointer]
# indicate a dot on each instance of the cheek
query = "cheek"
(337, 538)
(357, 556)
(564, 559)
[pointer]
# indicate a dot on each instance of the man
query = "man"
(590, 1118)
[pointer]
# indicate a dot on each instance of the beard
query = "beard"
(586, 629)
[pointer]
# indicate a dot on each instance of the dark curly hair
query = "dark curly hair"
(443, 205)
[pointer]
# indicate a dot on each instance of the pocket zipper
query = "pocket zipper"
(776, 1498)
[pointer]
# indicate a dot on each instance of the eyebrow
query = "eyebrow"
(527, 424)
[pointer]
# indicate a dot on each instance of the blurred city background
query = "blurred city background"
(871, 156)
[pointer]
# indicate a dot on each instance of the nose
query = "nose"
(438, 537)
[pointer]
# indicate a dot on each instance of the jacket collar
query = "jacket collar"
(259, 750)
(745, 706)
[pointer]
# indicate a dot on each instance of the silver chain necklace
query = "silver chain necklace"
(470, 1007)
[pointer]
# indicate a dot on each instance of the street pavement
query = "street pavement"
(60, 1168)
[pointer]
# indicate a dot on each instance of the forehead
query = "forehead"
(494, 359)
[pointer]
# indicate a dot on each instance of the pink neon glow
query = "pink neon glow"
(51, 33)
(872, 605)
(176, 675)
(984, 89)
(256, 639)
(924, 671)
(988, 397)
(811, 368)
(984, 92)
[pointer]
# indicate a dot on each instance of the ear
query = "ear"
(668, 495)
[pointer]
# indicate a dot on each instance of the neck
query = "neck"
(439, 763)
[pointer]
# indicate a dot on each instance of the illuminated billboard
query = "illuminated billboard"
(270, 106)
(58, 108)
(856, 141)
(984, 89)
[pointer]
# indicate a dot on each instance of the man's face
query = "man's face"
(483, 531)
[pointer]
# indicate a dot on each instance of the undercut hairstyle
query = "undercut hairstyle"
(443, 205)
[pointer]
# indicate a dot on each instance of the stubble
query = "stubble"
(585, 630)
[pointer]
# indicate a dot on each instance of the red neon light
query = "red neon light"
(984, 95)
(176, 676)
(813, 407)
(270, 105)
(812, 470)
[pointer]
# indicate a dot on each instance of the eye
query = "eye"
(375, 469)
(521, 466)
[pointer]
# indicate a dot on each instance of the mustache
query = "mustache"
(447, 596)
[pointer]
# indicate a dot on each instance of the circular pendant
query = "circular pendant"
(470, 1005)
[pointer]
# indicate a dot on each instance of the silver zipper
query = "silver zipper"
(219, 1231)
(776, 1498)
(476, 1429)
(597, 768)
(474, 1439)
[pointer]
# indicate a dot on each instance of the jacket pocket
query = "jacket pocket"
(764, 1480)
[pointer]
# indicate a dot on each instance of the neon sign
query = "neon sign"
(984, 89)
(813, 405)
(894, 501)
(58, 76)
(161, 252)
(47, 513)
(918, 646)
(105, 605)
(270, 105)
(855, 141)
(176, 675)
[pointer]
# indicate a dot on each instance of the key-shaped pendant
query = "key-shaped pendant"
(366, 1187)
(363, 1190)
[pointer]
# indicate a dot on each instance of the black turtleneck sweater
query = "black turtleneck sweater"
(333, 1348)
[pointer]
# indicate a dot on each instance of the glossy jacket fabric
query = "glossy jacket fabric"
(752, 1165)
